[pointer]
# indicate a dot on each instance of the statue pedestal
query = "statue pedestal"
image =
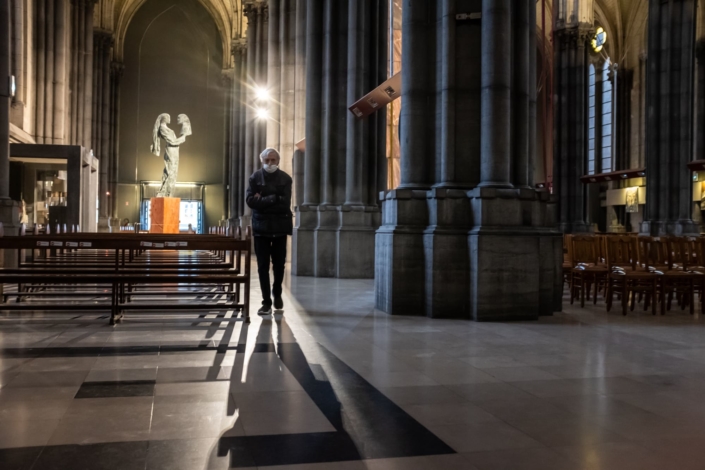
(164, 215)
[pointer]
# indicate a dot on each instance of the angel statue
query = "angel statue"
(171, 154)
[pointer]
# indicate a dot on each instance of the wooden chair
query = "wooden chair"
(567, 260)
(669, 257)
(587, 270)
(626, 277)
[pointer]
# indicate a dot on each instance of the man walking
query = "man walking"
(269, 197)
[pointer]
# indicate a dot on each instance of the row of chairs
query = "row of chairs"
(655, 270)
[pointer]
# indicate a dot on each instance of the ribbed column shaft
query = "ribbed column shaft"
(61, 60)
(116, 70)
(300, 100)
(40, 61)
(17, 68)
(357, 151)
(273, 83)
(520, 94)
(252, 14)
(415, 167)
(496, 93)
(314, 61)
(5, 55)
(88, 67)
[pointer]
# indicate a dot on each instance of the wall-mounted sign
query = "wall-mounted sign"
(378, 98)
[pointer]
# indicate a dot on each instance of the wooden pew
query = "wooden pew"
(94, 260)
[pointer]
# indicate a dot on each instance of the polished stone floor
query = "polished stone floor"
(333, 384)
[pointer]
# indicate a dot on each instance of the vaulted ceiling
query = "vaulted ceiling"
(115, 16)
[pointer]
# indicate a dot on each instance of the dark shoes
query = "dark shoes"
(265, 310)
(278, 303)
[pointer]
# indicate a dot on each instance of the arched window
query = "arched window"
(606, 121)
(600, 110)
(591, 169)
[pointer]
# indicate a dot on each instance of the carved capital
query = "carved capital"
(103, 38)
(117, 69)
(574, 37)
(227, 75)
(250, 11)
(238, 46)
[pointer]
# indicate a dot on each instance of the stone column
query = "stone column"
(61, 62)
(40, 64)
(334, 235)
(273, 83)
(251, 12)
(302, 255)
(415, 114)
(299, 100)
(287, 52)
(237, 176)
(9, 209)
(116, 71)
(357, 152)
(242, 150)
(17, 65)
(570, 125)
(446, 249)
(5, 96)
(496, 93)
(400, 261)
(88, 67)
(101, 130)
(669, 118)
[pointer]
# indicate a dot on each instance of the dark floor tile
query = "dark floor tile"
(109, 456)
(47, 379)
(127, 388)
(18, 459)
(186, 454)
(128, 350)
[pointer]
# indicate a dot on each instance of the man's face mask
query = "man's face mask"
(270, 168)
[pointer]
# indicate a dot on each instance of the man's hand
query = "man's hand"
(257, 196)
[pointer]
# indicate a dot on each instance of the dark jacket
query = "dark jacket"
(271, 212)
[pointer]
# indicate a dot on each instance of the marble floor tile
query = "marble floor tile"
(47, 379)
(118, 375)
(520, 459)
(423, 395)
(186, 454)
(452, 413)
(485, 436)
(26, 432)
(102, 456)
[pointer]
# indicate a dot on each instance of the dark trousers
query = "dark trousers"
(273, 248)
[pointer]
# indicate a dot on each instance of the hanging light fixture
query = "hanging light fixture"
(599, 39)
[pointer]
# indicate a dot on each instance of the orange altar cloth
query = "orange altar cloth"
(164, 215)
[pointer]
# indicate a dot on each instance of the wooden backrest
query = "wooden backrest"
(621, 251)
(653, 252)
(680, 251)
(584, 249)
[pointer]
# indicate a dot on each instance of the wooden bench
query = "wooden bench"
(120, 262)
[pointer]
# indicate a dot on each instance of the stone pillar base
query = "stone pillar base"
(334, 241)
(487, 254)
(676, 228)
(400, 262)
(103, 225)
(114, 224)
(10, 219)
